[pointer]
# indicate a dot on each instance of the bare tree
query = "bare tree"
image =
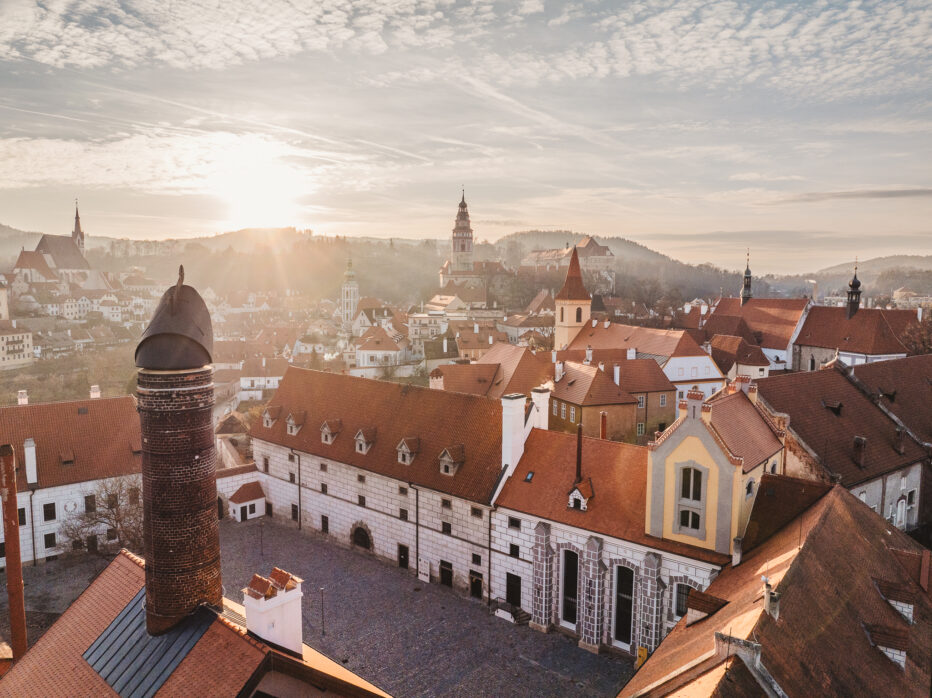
(112, 509)
(918, 337)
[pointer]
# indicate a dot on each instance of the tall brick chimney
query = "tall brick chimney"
(176, 397)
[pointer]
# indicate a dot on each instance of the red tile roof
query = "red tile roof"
(728, 350)
(822, 564)
(827, 412)
(904, 387)
(438, 418)
(248, 493)
(35, 260)
(102, 435)
(573, 287)
(744, 431)
(520, 369)
(618, 473)
(473, 379)
(868, 331)
(272, 368)
(775, 319)
(376, 339)
(645, 340)
(587, 385)
(542, 301)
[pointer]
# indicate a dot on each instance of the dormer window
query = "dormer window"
(329, 430)
(580, 495)
(269, 416)
(294, 422)
(407, 448)
(364, 440)
(451, 458)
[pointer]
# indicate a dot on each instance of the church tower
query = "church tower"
(746, 287)
(461, 255)
(573, 305)
(349, 295)
(854, 293)
(77, 234)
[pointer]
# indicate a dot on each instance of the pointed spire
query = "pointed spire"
(573, 287)
(77, 220)
(854, 292)
(463, 200)
(746, 285)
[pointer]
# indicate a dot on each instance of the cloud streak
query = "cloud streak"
(817, 196)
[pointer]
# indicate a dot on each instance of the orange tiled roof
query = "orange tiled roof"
(728, 350)
(743, 430)
(618, 474)
(441, 419)
(473, 379)
(573, 287)
(376, 339)
(102, 435)
(775, 319)
(635, 375)
(868, 331)
(34, 260)
(822, 563)
(247, 493)
(520, 369)
(587, 385)
(903, 386)
(646, 340)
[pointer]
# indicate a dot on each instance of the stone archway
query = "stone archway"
(361, 536)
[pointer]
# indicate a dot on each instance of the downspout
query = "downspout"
(32, 524)
(417, 530)
(489, 560)
(300, 510)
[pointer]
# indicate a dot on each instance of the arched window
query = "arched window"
(561, 313)
(812, 363)
(578, 314)
(690, 508)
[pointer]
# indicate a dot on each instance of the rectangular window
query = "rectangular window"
(514, 550)
(403, 514)
(514, 522)
(90, 504)
(49, 540)
(477, 512)
(133, 496)
(562, 410)
(324, 524)
(663, 400)
(910, 498)
(22, 516)
(111, 534)
(290, 477)
(361, 478)
(265, 464)
(446, 528)
(554, 408)
(291, 458)
(446, 503)
(323, 467)
(640, 428)
(111, 501)
(323, 488)
(642, 401)
(3, 549)
(681, 395)
(361, 500)
(294, 512)
(48, 511)
(476, 559)
(689, 519)
(403, 491)
(252, 508)
(682, 594)
(692, 484)
(572, 414)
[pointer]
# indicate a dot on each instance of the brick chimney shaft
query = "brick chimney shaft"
(14, 563)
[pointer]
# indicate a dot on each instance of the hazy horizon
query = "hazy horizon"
(697, 129)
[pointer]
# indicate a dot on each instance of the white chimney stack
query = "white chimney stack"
(558, 371)
(22, 397)
(595, 322)
(444, 345)
(588, 354)
(491, 340)
(601, 365)
(617, 376)
(475, 328)
(512, 430)
(95, 392)
(29, 448)
(553, 356)
(541, 398)
(273, 609)
(632, 353)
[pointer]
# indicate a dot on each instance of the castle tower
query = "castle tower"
(77, 234)
(854, 293)
(746, 286)
(461, 254)
(349, 295)
(176, 396)
(573, 305)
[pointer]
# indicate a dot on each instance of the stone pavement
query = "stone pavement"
(408, 637)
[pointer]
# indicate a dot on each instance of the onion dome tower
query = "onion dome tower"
(175, 401)
(746, 286)
(461, 257)
(854, 293)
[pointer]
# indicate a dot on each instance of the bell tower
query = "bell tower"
(746, 285)
(461, 253)
(77, 234)
(854, 293)
(573, 305)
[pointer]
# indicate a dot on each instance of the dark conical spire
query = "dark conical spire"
(854, 292)
(746, 286)
(77, 234)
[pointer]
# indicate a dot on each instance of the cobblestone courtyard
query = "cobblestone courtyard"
(408, 637)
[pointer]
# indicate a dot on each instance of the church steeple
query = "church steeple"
(854, 293)
(77, 234)
(349, 295)
(461, 257)
(746, 286)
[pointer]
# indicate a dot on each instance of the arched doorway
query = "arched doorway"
(361, 538)
(220, 507)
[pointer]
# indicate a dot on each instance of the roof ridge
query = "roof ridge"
(132, 557)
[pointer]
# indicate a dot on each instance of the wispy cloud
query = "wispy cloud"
(816, 196)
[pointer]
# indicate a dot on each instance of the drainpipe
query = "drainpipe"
(300, 510)
(14, 563)
(488, 554)
(32, 524)
(417, 530)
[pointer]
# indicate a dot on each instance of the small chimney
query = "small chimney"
(899, 442)
(512, 430)
(14, 564)
(771, 599)
(541, 398)
(273, 609)
(595, 322)
(588, 355)
(95, 392)
(29, 449)
(444, 345)
(475, 328)
(558, 372)
(602, 366)
(860, 446)
(607, 323)
(491, 340)
(603, 424)
(736, 551)
(22, 397)
(553, 356)
(617, 372)
(578, 454)
(631, 354)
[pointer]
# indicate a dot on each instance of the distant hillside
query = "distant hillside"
(878, 265)
(13, 240)
(530, 240)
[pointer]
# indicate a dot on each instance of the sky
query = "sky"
(800, 130)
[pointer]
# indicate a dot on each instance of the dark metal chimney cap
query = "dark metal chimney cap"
(180, 335)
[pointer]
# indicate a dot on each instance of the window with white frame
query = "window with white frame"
(572, 413)
(690, 506)
(640, 428)
(554, 408)
(663, 400)
(562, 410)
(642, 401)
